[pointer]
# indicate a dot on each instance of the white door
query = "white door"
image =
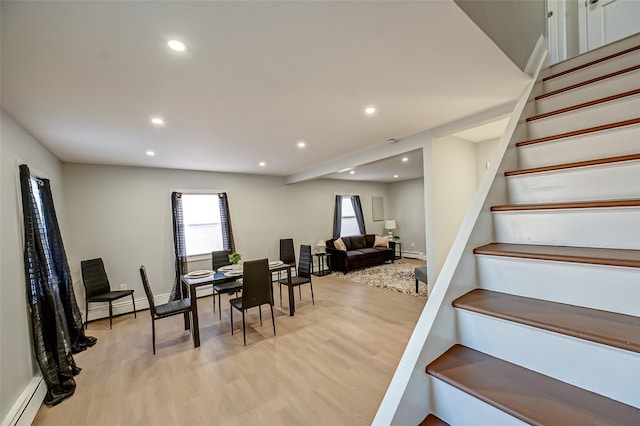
(609, 20)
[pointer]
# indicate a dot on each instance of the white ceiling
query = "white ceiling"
(86, 77)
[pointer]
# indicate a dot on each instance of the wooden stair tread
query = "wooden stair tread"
(607, 328)
(433, 420)
(606, 99)
(588, 64)
(595, 256)
(599, 161)
(587, 82)
(580, 132)
(525, 394)
(630, 202)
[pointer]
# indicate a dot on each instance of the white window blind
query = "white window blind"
(349, 222)
(202, 224)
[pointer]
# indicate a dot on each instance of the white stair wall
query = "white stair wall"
(608, 143)
(598, 182)
(595, 227)
(578, 362)
(580, 284)
(596, 115)
(597, 90)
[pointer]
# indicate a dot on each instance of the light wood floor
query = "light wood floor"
(330, 364)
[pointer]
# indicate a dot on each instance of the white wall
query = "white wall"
(454, 185)
(513, 25)
(123, 214)
(17, 363)
(484, 153)
(406, 206)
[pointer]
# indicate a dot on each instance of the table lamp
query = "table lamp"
(390, 224)
(321, 246)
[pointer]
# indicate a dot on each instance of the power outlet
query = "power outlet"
(123, 286)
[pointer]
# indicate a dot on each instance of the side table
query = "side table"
(324, 267)
(399, 247)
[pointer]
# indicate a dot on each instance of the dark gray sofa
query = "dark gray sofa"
(360, 253)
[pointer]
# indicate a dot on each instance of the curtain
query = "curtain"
(56, 322)
(357, 208)
(337, 217)
(225, 217)
(179, 245)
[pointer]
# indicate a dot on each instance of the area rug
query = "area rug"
(396, 276)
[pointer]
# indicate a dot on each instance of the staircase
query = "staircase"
(546, 312)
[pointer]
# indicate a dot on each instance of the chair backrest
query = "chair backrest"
(147, 290)
(287, 253)
(94, 277)
(304, 267)
(256, 283)
(219, 259)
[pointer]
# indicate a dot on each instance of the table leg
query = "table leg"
(292, 306)
(194, 316)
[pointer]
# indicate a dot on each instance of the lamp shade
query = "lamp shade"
(390, 224)
(321, 243)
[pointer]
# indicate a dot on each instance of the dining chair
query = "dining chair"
(98, 289)
(287, 253)
(175, 307)
(219, 259)
(304, 274)
(256, 291)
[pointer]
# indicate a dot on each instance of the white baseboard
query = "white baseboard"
(101, 310)
(414, 255)
(26, 407)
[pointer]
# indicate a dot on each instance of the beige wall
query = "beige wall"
(453, 186)
(123, 214)
(17, 365)
(406, 201)
(484, 154)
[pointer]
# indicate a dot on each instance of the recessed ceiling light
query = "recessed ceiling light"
(370, 110)
(157, 121)
(176, 45)
(405, 159)
(352, 172)
(301, 144)
(151, 153)
(262, 164)
(395, 176)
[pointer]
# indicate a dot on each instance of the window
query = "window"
(202, 223)
(349, 224)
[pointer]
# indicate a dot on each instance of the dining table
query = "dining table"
(196, 279)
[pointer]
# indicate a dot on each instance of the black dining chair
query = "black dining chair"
(219, 259)
(287, 252)
(304, 274)
(98, 289)
(256, 291)
(175, 307)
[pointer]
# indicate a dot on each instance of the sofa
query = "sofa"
(360, 253)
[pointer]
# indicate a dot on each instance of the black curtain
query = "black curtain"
(55, 318)
(337, 217)
(225, 217)
(357, 208)
(179, 245)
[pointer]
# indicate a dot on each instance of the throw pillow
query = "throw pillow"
(382, 241)
(339, 244)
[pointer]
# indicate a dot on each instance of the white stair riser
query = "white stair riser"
(608, 112)
(457, 407)
(609, 143)
(596, 227)
(601, 182)
(601, 89)
(607, 288)
(593, 71)
(609, 371)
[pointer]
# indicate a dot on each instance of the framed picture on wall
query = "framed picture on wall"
(377, 208)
